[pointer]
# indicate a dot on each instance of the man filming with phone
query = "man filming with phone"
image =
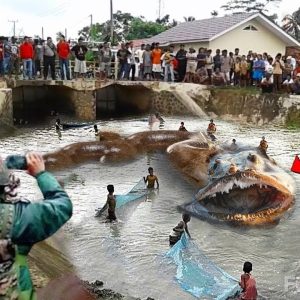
(23, 224)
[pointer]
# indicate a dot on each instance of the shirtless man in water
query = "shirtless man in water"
(211, 130)
(263, 145)
(178, 230)
(110, 204)
(151, 179)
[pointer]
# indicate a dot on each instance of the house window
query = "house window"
(250, 27)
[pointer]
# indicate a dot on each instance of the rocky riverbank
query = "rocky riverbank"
(96, 289)
(44, 271)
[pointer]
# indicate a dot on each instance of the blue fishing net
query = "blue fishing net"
(137, 192)
(198, 275)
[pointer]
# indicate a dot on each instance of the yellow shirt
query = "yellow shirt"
(151, 181)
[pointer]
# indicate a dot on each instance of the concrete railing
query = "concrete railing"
(92, 69)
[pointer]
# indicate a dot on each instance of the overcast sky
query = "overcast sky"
(56, 15)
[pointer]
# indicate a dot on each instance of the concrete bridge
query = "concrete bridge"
(92, 99)
(87, 99)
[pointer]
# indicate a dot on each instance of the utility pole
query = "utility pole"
(14, 21)
(66, 33)
(91, 26)
(42, 32)
(111, 23)
(159, 9)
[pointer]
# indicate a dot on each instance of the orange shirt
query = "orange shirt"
(156, 55)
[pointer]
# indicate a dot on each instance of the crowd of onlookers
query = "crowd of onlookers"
(37, 58)
(222, 68)
(151, 62)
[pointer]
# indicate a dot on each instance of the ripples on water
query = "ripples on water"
(129, 255)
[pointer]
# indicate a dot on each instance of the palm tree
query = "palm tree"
(189, 19)
(292, 24)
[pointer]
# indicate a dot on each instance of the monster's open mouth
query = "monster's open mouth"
(246, 197)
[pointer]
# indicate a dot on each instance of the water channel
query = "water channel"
(129, 255)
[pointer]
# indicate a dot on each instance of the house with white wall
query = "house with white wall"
(246, 31)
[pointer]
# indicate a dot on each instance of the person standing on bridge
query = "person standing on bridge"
(25, 224)
(26, 55)
(49, 51)
(79, 52)
(63, 51)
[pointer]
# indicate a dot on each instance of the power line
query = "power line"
(14, 26)
(159, 9)
(56, 9)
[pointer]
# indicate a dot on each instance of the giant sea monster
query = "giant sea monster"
(238, 184)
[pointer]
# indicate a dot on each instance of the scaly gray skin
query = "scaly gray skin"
(245, 187)
(240, 184)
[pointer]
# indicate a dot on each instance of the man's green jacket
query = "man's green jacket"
(33, 222)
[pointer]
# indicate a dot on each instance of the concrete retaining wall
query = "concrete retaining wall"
(6, 106)
(89, 99)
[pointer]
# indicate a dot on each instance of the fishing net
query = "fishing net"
(198, 275)
(137, 192)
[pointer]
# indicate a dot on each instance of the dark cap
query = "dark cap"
(80, 39)
(49, 38)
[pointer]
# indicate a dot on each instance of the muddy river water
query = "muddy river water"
(129, 255)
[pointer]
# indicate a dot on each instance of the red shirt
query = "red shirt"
(296, 71)
(175, 63)
(63, 50)
(26, 51)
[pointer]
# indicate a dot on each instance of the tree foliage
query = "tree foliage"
(126, 27)
(242, 6)
(189, 19)
(292, 24)
(140, 29)
(214, 13)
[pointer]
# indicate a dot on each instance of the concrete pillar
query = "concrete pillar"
(84, 103)
(6, 107)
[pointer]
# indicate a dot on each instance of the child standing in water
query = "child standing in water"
(211, 130)
(96, 129)
(58, 128)
(178, 230)
(110, 203)
(248, 283)
(151, 179)
(182, 127)
(263, 145)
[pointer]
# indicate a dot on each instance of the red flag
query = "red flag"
(296, 165)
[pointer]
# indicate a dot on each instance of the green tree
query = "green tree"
(126, 27)
(214, 13)
(189, 19)
(292, 24)
(242, 6)
(140, 29)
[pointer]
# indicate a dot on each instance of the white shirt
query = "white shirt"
(131, 58)
(293, 62)
(270, 81)
(162, 58)
(267, 65)
(139, 53)
(286, 82)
